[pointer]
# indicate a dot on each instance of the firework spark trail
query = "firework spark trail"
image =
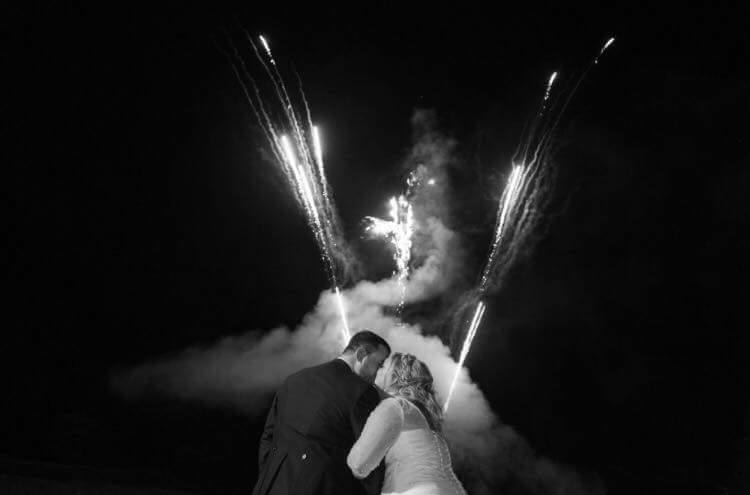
(549, 85)
(268, 49)
(236, 62)
(302, 167)
(524, 194)
(601, 52)
(506, 207)
(303, 185)
(399, 231)
(475, 322)
(542, 131)
(342, 310)
(334, 232)
(553, 125)
(518, 209)
(547, 92)
(332, 229)
(330, 212)
(281, 93)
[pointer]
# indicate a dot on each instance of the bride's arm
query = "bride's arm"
(380, 432)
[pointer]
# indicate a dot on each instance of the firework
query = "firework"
(399, 231)
(523, 197)
(549, 85)
(268, 49)
(340, 302)
(601, 52)
(318, 148)
(475, 322)
(506, 207)
(299, 154)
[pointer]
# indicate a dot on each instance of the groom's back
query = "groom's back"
(319, 403)
(317, 415)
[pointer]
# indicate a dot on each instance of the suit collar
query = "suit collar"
(342, 364)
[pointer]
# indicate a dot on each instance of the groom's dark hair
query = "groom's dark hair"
(367, 339)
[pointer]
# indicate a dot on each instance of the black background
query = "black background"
(143, 220)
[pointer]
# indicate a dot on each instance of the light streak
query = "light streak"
(549, 85)
(507, 205)
(342, 310)
(475, 322)
(606, 45)
(268, 49)
(318, 149)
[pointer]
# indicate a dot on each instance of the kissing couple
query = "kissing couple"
(365, 423)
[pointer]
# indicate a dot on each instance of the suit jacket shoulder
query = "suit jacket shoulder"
(317, 415)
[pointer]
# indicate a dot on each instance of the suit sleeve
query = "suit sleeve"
(266, 438)
(380, 432)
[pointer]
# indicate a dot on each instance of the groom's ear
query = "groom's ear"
(361, 353)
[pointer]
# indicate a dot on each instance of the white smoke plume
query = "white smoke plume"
(430, 157)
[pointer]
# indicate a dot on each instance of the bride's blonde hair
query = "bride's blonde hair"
(412, 380)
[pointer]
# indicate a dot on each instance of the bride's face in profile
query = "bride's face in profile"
(383, 378)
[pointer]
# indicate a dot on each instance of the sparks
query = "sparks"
(318, 148)
(506, 208)
(303, 187)
(475, 322)
(399, 231)
(342, 310)
(606, 45)
(523, 197)
(549, 85)
(268, 49)
(298, 153)
(508, 202)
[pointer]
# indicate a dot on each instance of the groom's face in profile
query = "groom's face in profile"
(368, 363)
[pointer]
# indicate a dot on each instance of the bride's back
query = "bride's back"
(419, 460)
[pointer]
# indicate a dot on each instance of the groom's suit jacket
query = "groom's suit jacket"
(315, 417)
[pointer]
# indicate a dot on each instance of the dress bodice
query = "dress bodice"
(417, 459)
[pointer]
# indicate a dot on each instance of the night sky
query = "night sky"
(143, 220)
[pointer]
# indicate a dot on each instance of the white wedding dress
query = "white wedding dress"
(417, 460)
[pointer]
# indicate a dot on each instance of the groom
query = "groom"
(315, 418)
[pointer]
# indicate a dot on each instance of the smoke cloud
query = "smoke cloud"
(243, 371)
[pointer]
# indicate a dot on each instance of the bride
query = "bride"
(405, 428)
